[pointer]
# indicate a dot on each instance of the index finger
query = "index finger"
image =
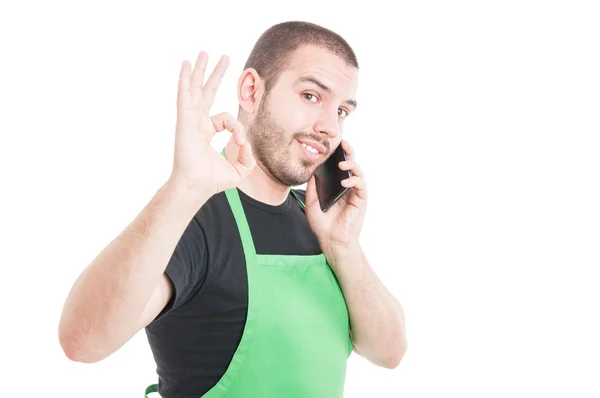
(225, 121)
(214, 81)
(350, 155)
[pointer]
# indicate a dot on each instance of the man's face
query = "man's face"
(300, 122)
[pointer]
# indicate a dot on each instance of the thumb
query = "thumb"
(245, 161)
(311, 192)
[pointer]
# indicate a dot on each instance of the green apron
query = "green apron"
(296, 340)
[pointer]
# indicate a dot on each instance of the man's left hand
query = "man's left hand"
(340, 226)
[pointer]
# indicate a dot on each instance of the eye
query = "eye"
(343, 112)
(310, 97)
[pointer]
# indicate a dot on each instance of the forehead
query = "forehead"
(327, 67)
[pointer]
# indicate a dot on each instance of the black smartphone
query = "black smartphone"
(328, 179)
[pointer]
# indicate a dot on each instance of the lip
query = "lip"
(311, 156)
(320, 148)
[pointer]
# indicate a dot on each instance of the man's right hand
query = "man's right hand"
(125, 287)
(197, 165)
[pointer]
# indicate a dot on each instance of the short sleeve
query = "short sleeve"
(187, 266)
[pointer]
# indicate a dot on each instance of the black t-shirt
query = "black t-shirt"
(194, 338)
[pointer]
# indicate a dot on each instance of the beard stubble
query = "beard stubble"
(272, 146)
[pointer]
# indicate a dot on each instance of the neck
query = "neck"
(259, 184)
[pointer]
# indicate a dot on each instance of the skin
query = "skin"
(298, 108)
(125, 287)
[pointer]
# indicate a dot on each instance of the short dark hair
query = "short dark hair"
(271, 53)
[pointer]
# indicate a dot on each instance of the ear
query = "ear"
(250, 90)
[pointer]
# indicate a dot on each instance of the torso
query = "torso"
(194, 343)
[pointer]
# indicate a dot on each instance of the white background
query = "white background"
(478, 127)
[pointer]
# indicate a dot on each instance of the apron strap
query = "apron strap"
(233, 197)
(151, 389)
(298, 198)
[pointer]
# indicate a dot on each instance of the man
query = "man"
(244, 286)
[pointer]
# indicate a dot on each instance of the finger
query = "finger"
(184, 100)
(225, 121)
(214, 81)
(198, 76)
(349, 150)
(311, 191)
(358, 184)
(354, 168)
(245, 161)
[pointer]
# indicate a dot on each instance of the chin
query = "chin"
(298, 176)
(293, 180)
(306, 164)
(291, 169)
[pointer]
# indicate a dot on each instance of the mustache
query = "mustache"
(310, 137)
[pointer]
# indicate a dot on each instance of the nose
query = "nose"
(327, 123)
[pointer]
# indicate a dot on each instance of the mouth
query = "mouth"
(312, 146)
(311, 149)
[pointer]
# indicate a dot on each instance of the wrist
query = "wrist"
(186, 195)
(342, 252)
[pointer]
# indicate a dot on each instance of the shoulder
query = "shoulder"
(214, 211)
(218, 225)
(212, 223)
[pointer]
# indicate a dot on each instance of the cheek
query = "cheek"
(292, 115)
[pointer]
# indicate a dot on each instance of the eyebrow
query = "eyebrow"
(314, 80)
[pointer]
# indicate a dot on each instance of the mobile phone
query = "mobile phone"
(328, 179)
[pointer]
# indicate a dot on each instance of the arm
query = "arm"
(124, 287)
(376, 317)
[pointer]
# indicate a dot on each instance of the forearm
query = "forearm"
(106, 301)
(376, 317)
